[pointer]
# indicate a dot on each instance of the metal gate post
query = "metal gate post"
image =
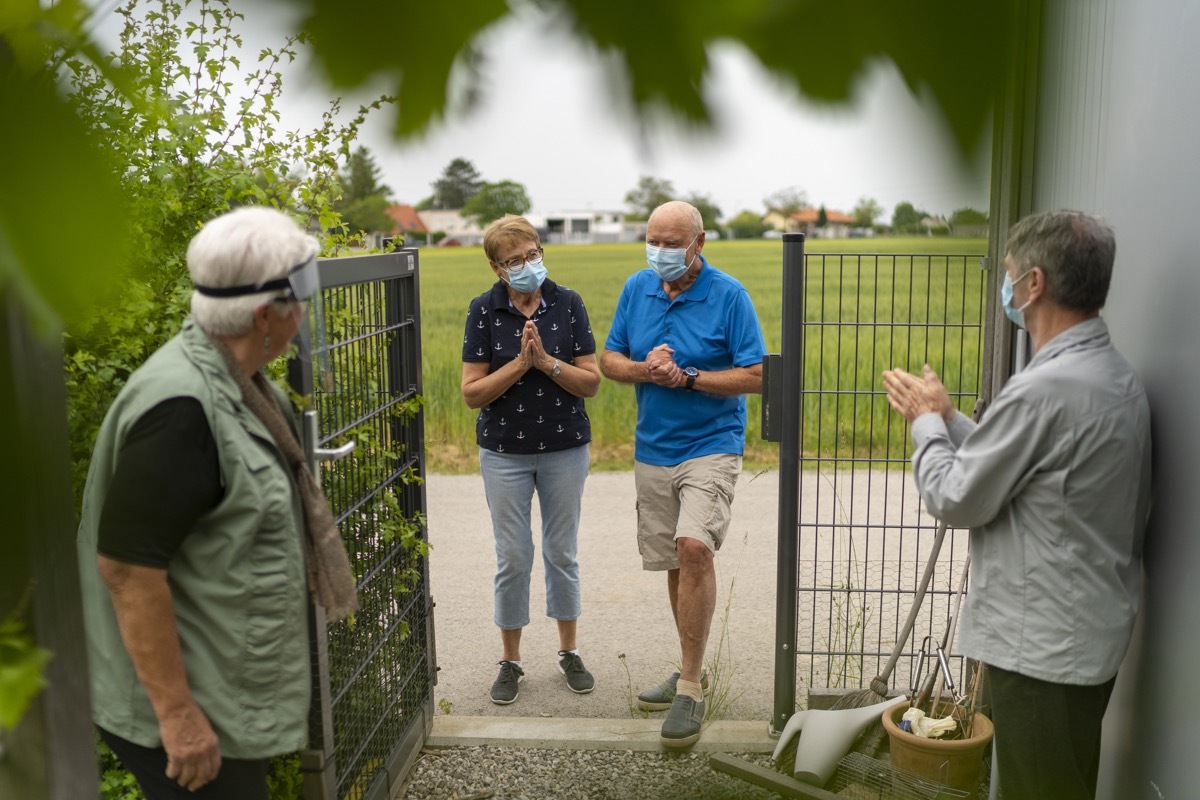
(790, 374)
(317, 762)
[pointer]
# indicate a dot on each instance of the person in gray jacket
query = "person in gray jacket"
(1054, 483)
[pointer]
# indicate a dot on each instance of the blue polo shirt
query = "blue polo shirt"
(535, 415)
(711, 326)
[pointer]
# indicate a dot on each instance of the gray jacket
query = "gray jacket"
(1054, 483)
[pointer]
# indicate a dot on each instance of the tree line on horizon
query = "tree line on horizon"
(460, 187)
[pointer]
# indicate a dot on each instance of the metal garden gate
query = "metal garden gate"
(862, 536)
(373, 676)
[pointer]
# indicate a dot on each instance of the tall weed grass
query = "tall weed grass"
(887, 307)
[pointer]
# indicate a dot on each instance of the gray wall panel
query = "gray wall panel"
(1118, 134)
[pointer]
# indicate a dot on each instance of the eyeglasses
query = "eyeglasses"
(511, 264)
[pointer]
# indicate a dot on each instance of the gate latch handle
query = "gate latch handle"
(309, 429)
(335, 453)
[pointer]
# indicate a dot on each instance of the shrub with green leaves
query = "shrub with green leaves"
(197, 132)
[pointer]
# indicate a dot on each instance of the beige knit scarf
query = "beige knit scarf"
(330, 579)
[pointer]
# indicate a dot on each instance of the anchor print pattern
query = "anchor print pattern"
(493, 335)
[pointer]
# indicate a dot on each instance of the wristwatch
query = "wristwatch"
(691, 373)
(556, 369)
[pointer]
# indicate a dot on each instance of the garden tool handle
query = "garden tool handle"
(926, 691)
(948, 636)
(946, 674)
(879, 683)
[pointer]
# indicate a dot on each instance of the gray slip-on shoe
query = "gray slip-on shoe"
(659, 698)
(682, 725)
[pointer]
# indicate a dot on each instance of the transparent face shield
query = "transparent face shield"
(304, 286)
(303, 301)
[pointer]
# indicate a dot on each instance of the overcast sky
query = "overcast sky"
(548, 119)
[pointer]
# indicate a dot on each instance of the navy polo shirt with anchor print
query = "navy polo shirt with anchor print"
(535, 415)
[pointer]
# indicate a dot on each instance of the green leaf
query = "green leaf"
(956, 50)
(21, 666)
(61, 263)
(418, 63)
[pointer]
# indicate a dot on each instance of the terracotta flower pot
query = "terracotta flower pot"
(954, 763)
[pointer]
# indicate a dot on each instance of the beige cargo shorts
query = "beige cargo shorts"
(691, 499)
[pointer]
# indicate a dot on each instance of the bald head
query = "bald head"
(678, 214)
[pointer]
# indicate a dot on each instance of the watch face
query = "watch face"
(691, 372)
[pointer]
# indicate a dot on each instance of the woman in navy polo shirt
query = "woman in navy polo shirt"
(529, 360)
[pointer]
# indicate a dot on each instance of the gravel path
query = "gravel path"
(505, 773)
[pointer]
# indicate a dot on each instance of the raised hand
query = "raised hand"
(538, 357)
(913, 396)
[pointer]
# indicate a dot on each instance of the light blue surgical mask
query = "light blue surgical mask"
(1017, 315)
(528, 279)
(669, 263)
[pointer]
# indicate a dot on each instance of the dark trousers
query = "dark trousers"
(1047, 736)
(238, 779)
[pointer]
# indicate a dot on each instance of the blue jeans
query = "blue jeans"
(509, 481)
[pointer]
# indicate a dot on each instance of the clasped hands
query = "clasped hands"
(660, 364)
(913, 396)
(533, 354)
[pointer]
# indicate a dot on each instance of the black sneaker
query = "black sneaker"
(504, 690)
(579, 680)
(659, 698)
(682, 726)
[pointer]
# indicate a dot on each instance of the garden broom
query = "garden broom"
(878, 691)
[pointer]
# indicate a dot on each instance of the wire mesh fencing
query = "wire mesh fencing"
(373, 700)
(864, 537)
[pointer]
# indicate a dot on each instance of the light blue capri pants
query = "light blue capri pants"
(509, 481)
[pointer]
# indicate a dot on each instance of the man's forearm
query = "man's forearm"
(733, 381)
(620, 368)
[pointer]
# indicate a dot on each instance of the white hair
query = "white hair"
(249, 245)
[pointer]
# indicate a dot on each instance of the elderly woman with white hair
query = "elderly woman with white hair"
(202, 526)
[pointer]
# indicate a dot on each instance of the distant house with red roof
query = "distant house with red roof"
(837, 226)
(408, 222)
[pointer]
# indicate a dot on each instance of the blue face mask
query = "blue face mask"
(1016, 315)
(528, 279)
(668, 262)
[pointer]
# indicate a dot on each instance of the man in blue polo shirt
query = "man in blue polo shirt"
(687, 337)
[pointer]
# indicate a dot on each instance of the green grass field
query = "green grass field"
(875, 311)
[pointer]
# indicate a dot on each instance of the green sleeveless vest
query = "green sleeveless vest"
(238, 582)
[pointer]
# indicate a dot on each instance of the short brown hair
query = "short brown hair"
(1074, 250)
(508, 230)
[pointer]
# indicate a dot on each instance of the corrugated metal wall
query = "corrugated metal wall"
(1116, 133)
(1073, 104)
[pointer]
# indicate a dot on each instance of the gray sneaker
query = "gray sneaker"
(504, 690)
(682, 726)
(659, 698)
(579, 680)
